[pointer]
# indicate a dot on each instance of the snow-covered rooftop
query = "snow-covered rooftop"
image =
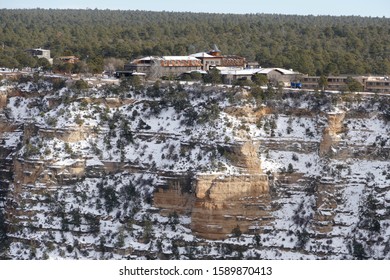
(239, 72)
(166, 58)
(281, 70)
(138, 74)
(179, 58)
(202, 54)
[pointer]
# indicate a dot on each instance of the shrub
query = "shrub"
(121, 239)
(31, 150)
(78, 120)
(290, 168)
(80, 85)
(173, 220)
(143, 125)
(111, 199)
(213, 77)
(68, 148)
(303, 237)
(51, 121)
(358, 250)
(58, 84)
(236, 232)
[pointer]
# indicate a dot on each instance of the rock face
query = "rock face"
(219, 203)
(3, 100)
(246, 157)
(69, 135)
(226, 202)
(331, 133)
(176, 196)
(171, 173)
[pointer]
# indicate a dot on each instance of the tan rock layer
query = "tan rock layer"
(248, 112)
(245, 156)
(219, 203)
(176, 196)
(3, 100)
(223, 203)
(331, 133)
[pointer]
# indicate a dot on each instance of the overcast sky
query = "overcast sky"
(374, 8)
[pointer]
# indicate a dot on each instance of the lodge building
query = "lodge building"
(172, 66)
(161, 66)
(235, 68)
(375, 84)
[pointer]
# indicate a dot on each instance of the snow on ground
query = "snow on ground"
(366, 131)
(277, 161)
(288, 127)
(20, 109)
(165, 139)
(11, 139)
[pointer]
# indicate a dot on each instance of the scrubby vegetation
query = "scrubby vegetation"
(93, 195)
(105, 39)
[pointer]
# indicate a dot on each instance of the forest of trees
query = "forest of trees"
(316, 45)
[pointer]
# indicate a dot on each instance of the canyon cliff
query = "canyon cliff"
(187, 171)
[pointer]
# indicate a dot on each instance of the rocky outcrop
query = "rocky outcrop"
(247, 157)
(248, 112)
(69, 134)
(3, 100)
(226, 202)
(219, 203)
(331, 134)
(175, 196)
(326, 206)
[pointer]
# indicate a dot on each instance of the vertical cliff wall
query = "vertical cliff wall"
(227, 202)
(219, 203)
(331, 134)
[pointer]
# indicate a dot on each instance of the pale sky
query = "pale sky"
(373, 8)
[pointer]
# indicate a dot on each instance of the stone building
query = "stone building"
(163, 66)
(214, 58)
(338, 83)
(280, 76)
(377, 84)
(207, 60)
(41, 53)
(274, 75)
